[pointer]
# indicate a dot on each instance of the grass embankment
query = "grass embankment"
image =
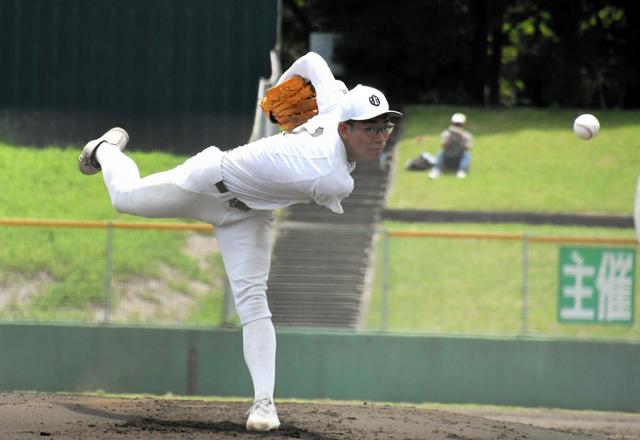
(524, 160)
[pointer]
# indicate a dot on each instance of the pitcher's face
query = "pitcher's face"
(365, 140)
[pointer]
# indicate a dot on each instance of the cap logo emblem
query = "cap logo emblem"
(374, 100)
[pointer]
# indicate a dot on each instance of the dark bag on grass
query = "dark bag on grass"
(423, 162)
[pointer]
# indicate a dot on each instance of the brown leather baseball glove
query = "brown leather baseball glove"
(291, 103)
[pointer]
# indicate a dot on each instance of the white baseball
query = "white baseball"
(586, 126)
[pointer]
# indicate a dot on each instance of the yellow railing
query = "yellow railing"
(197, 227)
(202, 227)
(511, 236)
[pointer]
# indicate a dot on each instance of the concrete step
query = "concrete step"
(311, 323)
(351, 218)
(314, 278)
(304, 270)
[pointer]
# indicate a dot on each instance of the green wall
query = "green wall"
(152, 56)
(333, 365)
(180, 75)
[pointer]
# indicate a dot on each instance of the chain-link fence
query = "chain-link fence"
(422, 282)
(513, 284)
(111, 273)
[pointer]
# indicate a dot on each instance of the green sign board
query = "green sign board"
(596, 285)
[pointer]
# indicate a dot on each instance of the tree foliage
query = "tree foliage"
(482, 52)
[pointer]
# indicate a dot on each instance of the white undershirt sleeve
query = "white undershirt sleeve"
(315, 69)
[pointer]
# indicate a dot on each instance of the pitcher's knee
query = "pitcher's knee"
(253, 307)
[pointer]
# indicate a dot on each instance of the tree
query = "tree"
(482, 52)
(573, 53)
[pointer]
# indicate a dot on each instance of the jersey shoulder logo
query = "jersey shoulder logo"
(374, 100)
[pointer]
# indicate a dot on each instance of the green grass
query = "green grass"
(45, 184)
(524, 160)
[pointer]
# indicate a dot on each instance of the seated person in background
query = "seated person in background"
(455, 151)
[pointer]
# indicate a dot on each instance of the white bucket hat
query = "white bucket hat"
(458, 118)
(364, 102)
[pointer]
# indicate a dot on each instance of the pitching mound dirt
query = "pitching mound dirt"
(31, 415)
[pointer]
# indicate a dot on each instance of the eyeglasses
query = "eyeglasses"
(374, 131)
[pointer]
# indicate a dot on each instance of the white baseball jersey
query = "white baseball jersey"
(307, 164)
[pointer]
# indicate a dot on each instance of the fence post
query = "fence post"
(525, 285)
(384, 312)
(108, 267)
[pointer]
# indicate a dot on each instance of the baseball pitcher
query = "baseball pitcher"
(327, 129)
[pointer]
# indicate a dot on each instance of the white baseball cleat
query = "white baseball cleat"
(434, 173)
(461, 174)
(262, 415)
(87, 162)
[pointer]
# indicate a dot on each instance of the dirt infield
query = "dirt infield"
(31, 415)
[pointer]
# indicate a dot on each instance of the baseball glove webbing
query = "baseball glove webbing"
(291, 103)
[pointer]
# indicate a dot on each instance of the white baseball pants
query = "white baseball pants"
(189, 191)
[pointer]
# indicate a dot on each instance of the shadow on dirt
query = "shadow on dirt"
(147, 424)
(151, 424)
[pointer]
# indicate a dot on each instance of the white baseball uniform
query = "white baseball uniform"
(309, 163)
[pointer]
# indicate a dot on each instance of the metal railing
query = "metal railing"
(262, 126)
(172, 273)
(111, 272)
(525, 265)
